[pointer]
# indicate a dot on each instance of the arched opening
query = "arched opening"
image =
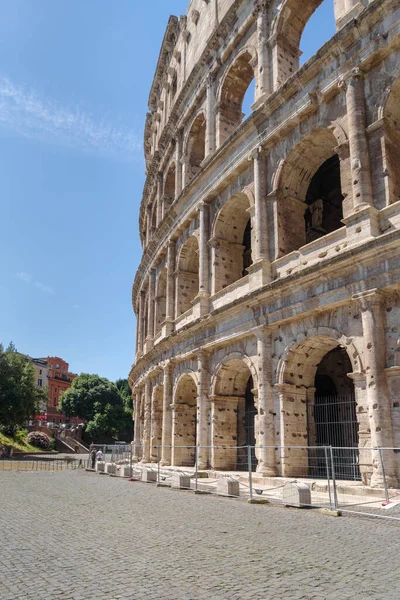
(391, 163)
(233, 91)
(153, 226)
(196, 148)
(311, 202)
(233, 417)
(161, 300)
(184, 422)
(319, 29)
(169, 187)
(290, 24)
(324, 199)
(332, 418)
(231, 249)
(187, 277)
(145, 318)
(319, 409)
(156, 424)
(249, 99)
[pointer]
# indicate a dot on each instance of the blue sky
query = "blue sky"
(74, 82)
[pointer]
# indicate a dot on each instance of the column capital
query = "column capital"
(354, 73)
(256, 153)
(369, 298)
(260, 6)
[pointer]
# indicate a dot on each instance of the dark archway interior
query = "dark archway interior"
(247, 248)
(324, 199)
(332, 419)
(246, 428)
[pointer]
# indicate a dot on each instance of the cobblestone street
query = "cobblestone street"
(75, 535)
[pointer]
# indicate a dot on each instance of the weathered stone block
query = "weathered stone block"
(125, 471)
(149, 476)
(110, 468)
(180, 480)
(227, 486)
(100, 466)
(296, 494)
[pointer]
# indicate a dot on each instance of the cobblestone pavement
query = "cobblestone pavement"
(74, 535)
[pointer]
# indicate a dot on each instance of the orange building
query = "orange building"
(59, 379)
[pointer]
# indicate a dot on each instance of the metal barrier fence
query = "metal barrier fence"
(40, 464)
(356, 480)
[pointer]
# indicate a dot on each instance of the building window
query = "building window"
(39, 382)
(40, 371)
(57, 366)
(55, 401)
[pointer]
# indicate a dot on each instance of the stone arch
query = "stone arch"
(235, 82)
(187, 277)
(390, 112)
(229, 358)
(160, 300)
(156, 422)
(313, 376)
(233, 412)
(195, 147)
(184, 420)
(287, 29)
(231, 242)
(309, 181)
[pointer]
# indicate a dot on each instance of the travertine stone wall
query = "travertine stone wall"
(236, 324)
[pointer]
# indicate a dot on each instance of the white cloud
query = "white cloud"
(28, 279)
(21, 110)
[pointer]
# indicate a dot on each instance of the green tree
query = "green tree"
(125, 392)
(19, 397)
(88, 396)
(99, 402)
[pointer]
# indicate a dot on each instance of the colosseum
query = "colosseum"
(267, 297)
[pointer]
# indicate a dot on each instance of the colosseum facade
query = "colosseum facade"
(269, 284)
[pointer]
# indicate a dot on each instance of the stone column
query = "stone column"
(140, 323)
(263, 67)
(170, 304)
(211, 117)
(203, 295)
(378, 399)
(167, 415)
(136, 435)
(261, 266)
(150, 320)
(358, 143)
(178, 160)
(160, 186)
(266, 426)
(148, 224)
(203, 411)
(147, 422)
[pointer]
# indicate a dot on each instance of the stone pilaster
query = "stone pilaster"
(147, 422)
(160, 187)
(178, 161)
(203, 411)
(353, 83)
(261, 267)
(140, 322)
(148, 224)
(378, 399)
(263, 64)
(201, 304)
(167, 415)
(136, 446)
(211, 117)
(150, 314)
(170, 304)
(265, 419)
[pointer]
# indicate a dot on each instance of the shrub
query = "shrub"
(39, 440)
(20, 435)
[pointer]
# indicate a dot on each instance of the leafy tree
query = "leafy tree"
(19, 397)
(88, 396)
(125, 392)
(99, 402)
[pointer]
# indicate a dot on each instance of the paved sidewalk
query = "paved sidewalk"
(74, 535)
